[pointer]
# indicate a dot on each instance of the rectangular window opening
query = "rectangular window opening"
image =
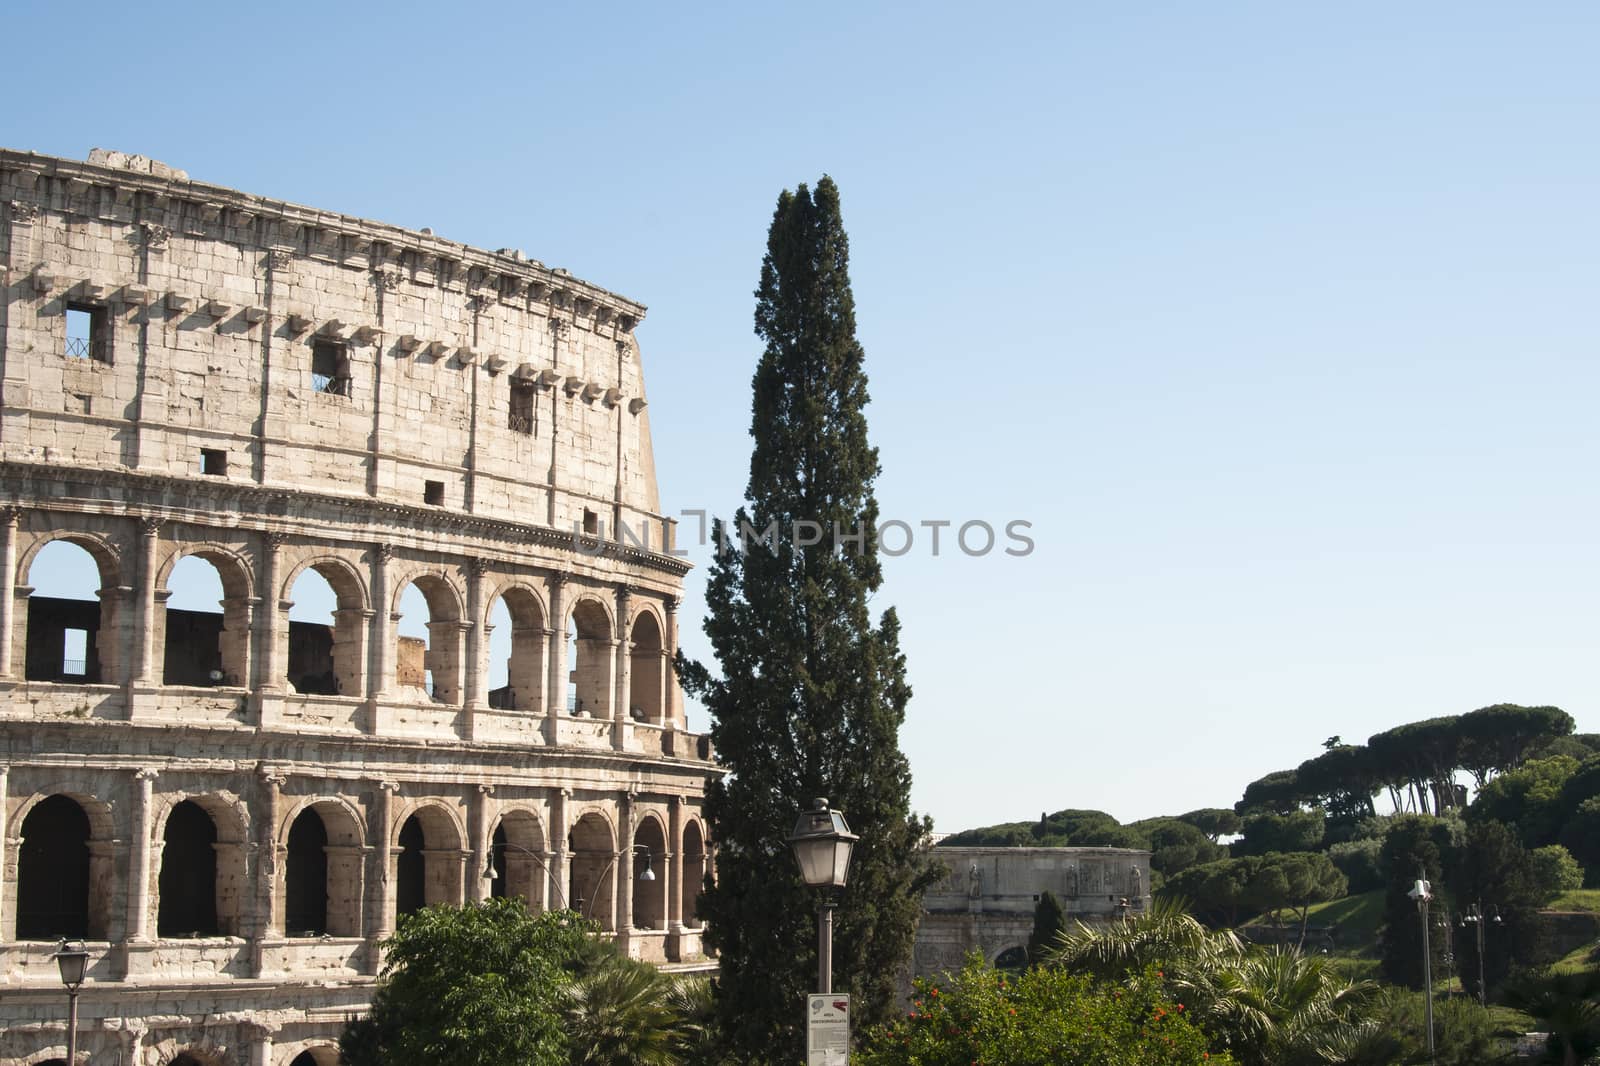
(74, 652)
(214, 461)
(591, 522)
(330, 368)
(521, 417)
(433, 493)
(88, 332)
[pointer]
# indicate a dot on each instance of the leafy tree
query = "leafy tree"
(1342, 780)
(1415, 847)
(621, 1012)
(1277, 793)
(1361, 863)
(1216, 890)
(1294, 881)
(1048, 923)
(1495, 739)
(1176, 845)
(1214, 822)
(1553, 871)
(1422, 758)
(812, 693)
(1581, 835)
(1296, 831)
(1529, 799)
(1566, 1004)
(471, 986)
(1490, 868)
(1041, 1018)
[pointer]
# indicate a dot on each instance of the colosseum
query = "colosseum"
(230, 804)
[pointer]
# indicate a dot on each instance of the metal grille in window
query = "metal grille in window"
(521, 416)
(78, 347)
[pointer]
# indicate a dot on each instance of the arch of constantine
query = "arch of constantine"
(231, 807)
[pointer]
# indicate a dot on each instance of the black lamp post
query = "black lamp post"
(1422, 893)
(1476, 918)
(822, 844)
(73, 962)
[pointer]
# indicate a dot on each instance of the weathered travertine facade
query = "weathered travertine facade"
(986, 903)
(232, 809)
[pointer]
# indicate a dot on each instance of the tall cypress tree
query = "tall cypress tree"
(811, 693)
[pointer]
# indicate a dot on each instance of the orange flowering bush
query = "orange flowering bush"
(1043, 1017)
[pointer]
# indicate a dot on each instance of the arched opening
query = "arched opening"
(306, 877)
(327, 632)
(320, 1056)
(188, 874)
(429, 866)
(694, 871)
(650, 897)
(647, 672)
(591, 886)
(72, 603)
(517, 652)
(205, 635)
(517, 857)
(1013, 959)
(589, 644)
(53, 872)
(428, 642)
(187, 1059)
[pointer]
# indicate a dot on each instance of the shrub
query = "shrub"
(1555, 871)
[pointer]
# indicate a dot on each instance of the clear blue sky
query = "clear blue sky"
(1278, 323)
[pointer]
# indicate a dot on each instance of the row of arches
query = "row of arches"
(75, 612)
(64, 871)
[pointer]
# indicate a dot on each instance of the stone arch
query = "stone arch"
(331, 661)
(525, 666)
(102, 855)
(590, 642)
(336, 879)
(306, 1053)
(442, 656)
(519, 857)
(430, 862)
(591, 881)
(1013, 958)
(182, 905)
(693, 856)
(194, 647)
(54, 863)
(43, 625)
(650, 853)
(202, 1052)
(649, 671)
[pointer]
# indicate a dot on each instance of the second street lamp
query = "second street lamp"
(73, 962)
(823, 845)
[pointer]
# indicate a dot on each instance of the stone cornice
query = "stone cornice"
(477, 268)
(278, 508)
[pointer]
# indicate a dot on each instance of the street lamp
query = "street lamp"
(73, 962)
(822, 844)
(490, 873)
(1476, 918)
(1422, 892)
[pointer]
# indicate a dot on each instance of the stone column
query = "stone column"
(556, 705)
(624, 673)
(669, 681)
(260, 1034)
(382, 922)
(623, 896)
(560, 855)
(268, 922)
(380, 675)
(145, 618)
(8, 600)
(674, 864)
(478, 888)
(272, 636)
(139, 857)
(477, 695)
(7, 930)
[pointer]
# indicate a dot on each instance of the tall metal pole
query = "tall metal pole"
(1483, 998)
(72, 1027)
(1427, 973)
(825, 948)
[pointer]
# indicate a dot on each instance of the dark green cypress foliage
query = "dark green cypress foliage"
(1049, 922)
(812, 693)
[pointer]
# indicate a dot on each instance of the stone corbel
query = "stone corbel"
(77, 186)
(43, 280)
(408, 344)
(612, 397)
(524, 372)
(365, 335)
(548, 378)
(627, 322)
(572, 386)
(136, 295)
(602, 316)
(253, 315)
(494, 364)
(210, 213)
(217, 309)
(179, 303)
(637, 404)
(591, 392)
(90, 292)
(466, 355)
(241, 218)
(582, 304)
(436, 350)
(297, 324)
(332, 328)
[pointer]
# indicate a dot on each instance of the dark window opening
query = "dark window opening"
(53, 872)
(188, 874)
(306, 877)
(433, 493)
(591, 522)
(88, 332)
(193, 652)
(61, 640)
(497, 887)
(330, 368)
(411, 869)
(214, 461)
(522, 396)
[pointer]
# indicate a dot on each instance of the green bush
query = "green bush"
(1361, 862)
(1555, 871)
(1041, 1018)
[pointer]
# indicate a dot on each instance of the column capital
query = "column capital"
(383, 552)
(9, 515)
(146, 774)
(486, 790)
(150, 526)
(477, 567)
(389, 786)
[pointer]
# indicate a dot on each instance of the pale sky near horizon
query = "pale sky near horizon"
(1277, 322)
